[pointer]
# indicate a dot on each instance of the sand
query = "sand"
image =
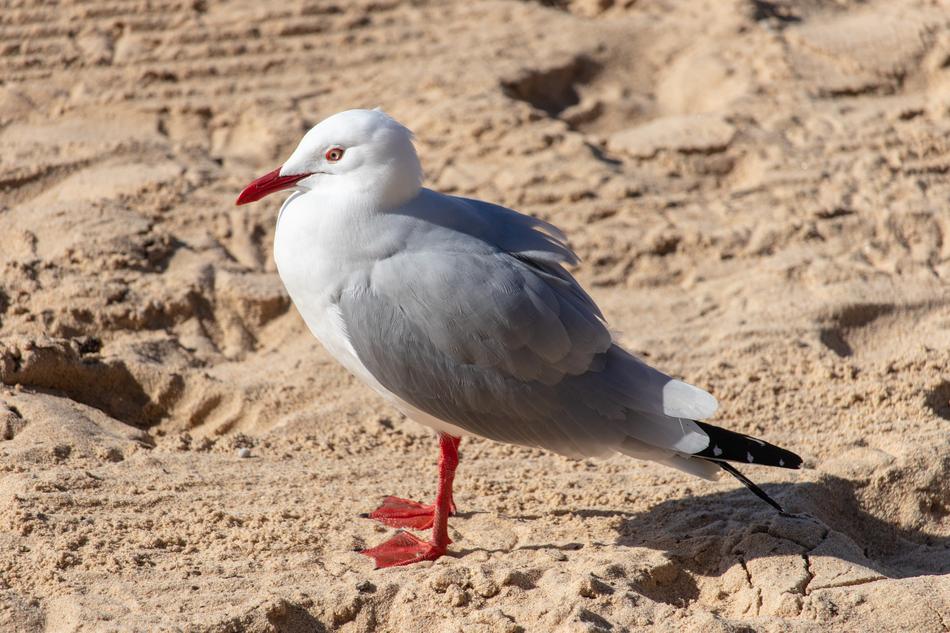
(758, 191)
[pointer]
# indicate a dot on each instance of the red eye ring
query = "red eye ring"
(334, 154)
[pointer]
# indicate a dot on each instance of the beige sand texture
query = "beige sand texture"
(758, 189)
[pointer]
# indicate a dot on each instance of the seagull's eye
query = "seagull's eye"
(334, 154)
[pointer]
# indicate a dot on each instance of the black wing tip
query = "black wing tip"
(726, 445)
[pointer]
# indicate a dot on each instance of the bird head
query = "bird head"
(355, 152)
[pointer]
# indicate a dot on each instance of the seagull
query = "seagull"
(462, 315)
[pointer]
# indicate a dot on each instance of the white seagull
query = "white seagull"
(460, 313)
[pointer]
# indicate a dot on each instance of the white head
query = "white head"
(357, 152)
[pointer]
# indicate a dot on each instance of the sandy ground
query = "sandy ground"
(759, 192)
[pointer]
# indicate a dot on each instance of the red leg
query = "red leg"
(404, 513)
(404, 548)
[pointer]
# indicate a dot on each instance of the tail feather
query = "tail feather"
(726, 445)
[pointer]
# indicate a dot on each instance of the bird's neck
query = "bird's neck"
(337, 228)
(400, 180)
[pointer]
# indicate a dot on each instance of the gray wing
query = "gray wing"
(500, 340)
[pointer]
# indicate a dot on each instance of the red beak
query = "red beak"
(267, 184)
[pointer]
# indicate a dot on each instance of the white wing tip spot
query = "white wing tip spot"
(781, 462)
(748, 456)
(717, 451)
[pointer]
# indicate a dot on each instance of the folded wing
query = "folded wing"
(491, 334)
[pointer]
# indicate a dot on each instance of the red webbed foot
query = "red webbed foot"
(404, 513)
(403, 549)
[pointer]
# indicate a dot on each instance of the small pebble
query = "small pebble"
(244, 452)
(365, 587)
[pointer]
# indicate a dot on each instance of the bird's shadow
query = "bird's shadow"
(699, 533)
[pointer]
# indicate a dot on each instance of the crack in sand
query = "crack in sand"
(855, 582)
(755, 605)
(811, 576)
(748, 576)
